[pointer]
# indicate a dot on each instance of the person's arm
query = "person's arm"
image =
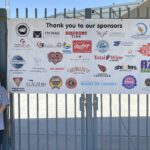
(2, 108)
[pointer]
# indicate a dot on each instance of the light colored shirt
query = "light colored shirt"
(3, 101)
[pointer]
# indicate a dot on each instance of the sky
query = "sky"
(59, 4)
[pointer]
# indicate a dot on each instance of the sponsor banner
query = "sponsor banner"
(78, 56)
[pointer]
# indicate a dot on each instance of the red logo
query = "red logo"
(18, 80)
(71, 83)
(82, 46)
(145, 50)
(55, 57)
(102, 68)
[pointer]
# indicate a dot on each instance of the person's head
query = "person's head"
(1, 76)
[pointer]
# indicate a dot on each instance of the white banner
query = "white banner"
(79, 56)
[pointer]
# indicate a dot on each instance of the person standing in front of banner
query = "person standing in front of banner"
(4, 102)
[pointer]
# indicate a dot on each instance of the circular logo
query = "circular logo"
(22, 41)
(40, 44)
(129, 82)
(147, 82)
(102, 46)
(71, 83)
(142, 28)
(55, 82)
(17, 62)
(22, 29)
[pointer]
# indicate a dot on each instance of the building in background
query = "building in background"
(116, 11)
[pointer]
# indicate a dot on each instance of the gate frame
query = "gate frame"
(3, 69)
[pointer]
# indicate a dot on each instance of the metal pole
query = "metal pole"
(82, 98)
(7, 6)
(3, 67)
(89, 140)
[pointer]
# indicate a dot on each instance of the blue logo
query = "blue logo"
(117, 43)
(142, 29)
(17, 62)
(129, 82)
(102, 46)
(145, 66)
(67, 48)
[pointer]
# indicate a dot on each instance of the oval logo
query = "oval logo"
(55, 82)
(22, 29)
(102, 46)
(129, 82)
(147, 82)
(17, 62)
(71, 83)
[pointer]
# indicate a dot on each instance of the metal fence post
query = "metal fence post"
(95, 108)
(82, 105)
(89, 133)
(12, 122)
(89, 123)
(3, 67)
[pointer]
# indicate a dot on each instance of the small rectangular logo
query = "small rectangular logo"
(82, 46)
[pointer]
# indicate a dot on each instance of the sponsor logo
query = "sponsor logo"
(37, 61)
(38, 65)
(145, 66)
(147, 82)
(51, 34)
(17, 62)
(17, 80)
(106, 26)
(78, 70)
(32, 83)
(129, 82)
(80, 58)
(67, 48)
(130, 54)
(37, 34)
(123, 43)
(125, 68)
(102, 34)
(102, 84)
(102, 46)
(55, 82)
(103, 73)
(82, 46)
(56, 69)
(55, 57)
(22, 44)
(22, 30)
(141, 31)
(108, 57)
(145, 50)
(71, 83)
(146, 88)
(76, 34)
(43, 45)
(116, 34)
(102, 68)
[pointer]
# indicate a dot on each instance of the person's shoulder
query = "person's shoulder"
(2, 88)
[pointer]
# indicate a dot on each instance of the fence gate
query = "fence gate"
(79, 122)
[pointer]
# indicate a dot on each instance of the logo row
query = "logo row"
(54, 82)
(128, 82)
(23, 30)
(82, 46)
